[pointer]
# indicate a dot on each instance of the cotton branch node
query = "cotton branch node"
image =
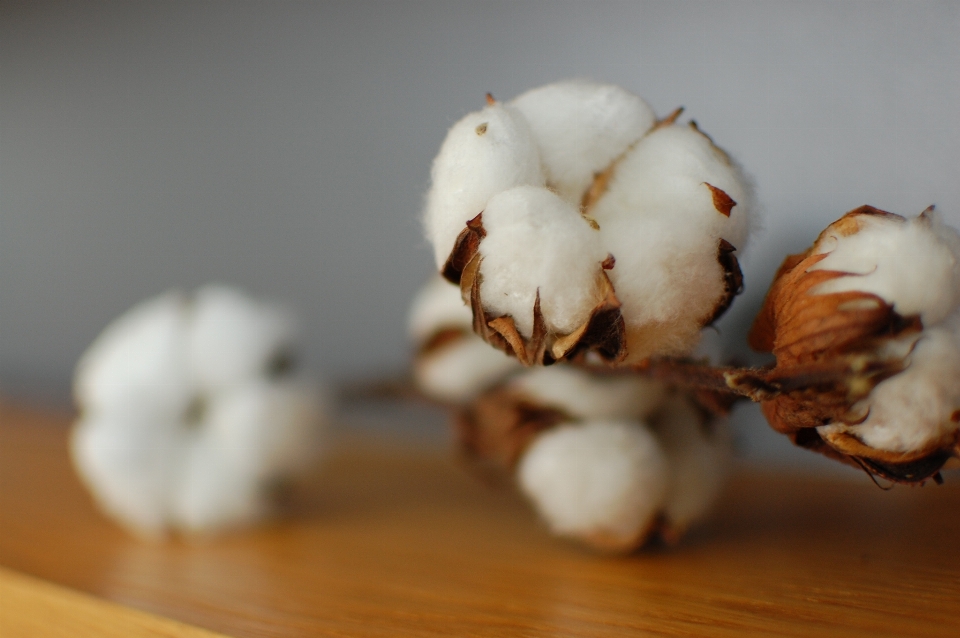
(865, 326)
(192, 412)
(578, 225)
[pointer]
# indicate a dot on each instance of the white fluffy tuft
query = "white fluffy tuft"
(699, 455)
(580, 127)
(603, 481)
(483, 154)
(586, 395)
(462, 368)
(537, 242)
(659, 220)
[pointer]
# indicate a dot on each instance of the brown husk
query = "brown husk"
(828, 350)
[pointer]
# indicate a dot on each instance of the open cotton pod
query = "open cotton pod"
(865, 327)
(608, 459)
(452, 364)
(192, 412)
(586, 225)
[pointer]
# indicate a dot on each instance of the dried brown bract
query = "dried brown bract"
(842, 319)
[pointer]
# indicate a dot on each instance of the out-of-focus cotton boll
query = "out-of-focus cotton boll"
(483, 154)
(580, 128)
(191, 411)
(600, 481)
(452, 365)
(225, 317)
(699, 452)
(672, 205)
(538, 244)
(875, 302)
(589, 395)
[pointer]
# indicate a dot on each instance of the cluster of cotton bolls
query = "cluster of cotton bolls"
(608, 458)
(873, 310)
(611, 460)
(575, 221)
(193, 412)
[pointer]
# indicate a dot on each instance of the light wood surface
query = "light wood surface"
(395, 541)
(32, 608)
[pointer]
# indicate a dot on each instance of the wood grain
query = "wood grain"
(32, 608)
(396, 541)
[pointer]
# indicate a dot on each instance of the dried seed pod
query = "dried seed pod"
(191, 411)
(452, 364)
(865, 327)
(670, 210)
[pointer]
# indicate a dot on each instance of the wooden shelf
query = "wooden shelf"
(400, 541)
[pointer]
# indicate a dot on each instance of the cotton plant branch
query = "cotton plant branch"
(579, 229)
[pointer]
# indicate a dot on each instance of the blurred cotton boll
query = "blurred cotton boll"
(192, 411)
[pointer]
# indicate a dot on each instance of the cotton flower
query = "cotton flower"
(452, 364)
(866, 329)
(586, 225)
(606, 458)
(192, 412)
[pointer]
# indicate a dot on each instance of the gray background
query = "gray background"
(286, 146)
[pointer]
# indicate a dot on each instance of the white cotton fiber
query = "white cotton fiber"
(462, 367)
(588, 395)
(139, 356)
(699, 454)
(185, 423)
(483, 154)
(581, 127)
(538, 242)
(912, 264)
(660, 220)
(603, 481)
(438, 305)
(919, 408)
(459, 371)
(232, 336)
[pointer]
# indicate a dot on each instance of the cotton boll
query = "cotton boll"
(140, 354)
(663, 218)
(699, 454)
(585, 395)
(913, 264)
(538, 243)
(581, 127)
(483, 154)
(600, 481)
(201, 457)
(233, 337)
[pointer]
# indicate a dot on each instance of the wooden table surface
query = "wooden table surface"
(399, 541)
